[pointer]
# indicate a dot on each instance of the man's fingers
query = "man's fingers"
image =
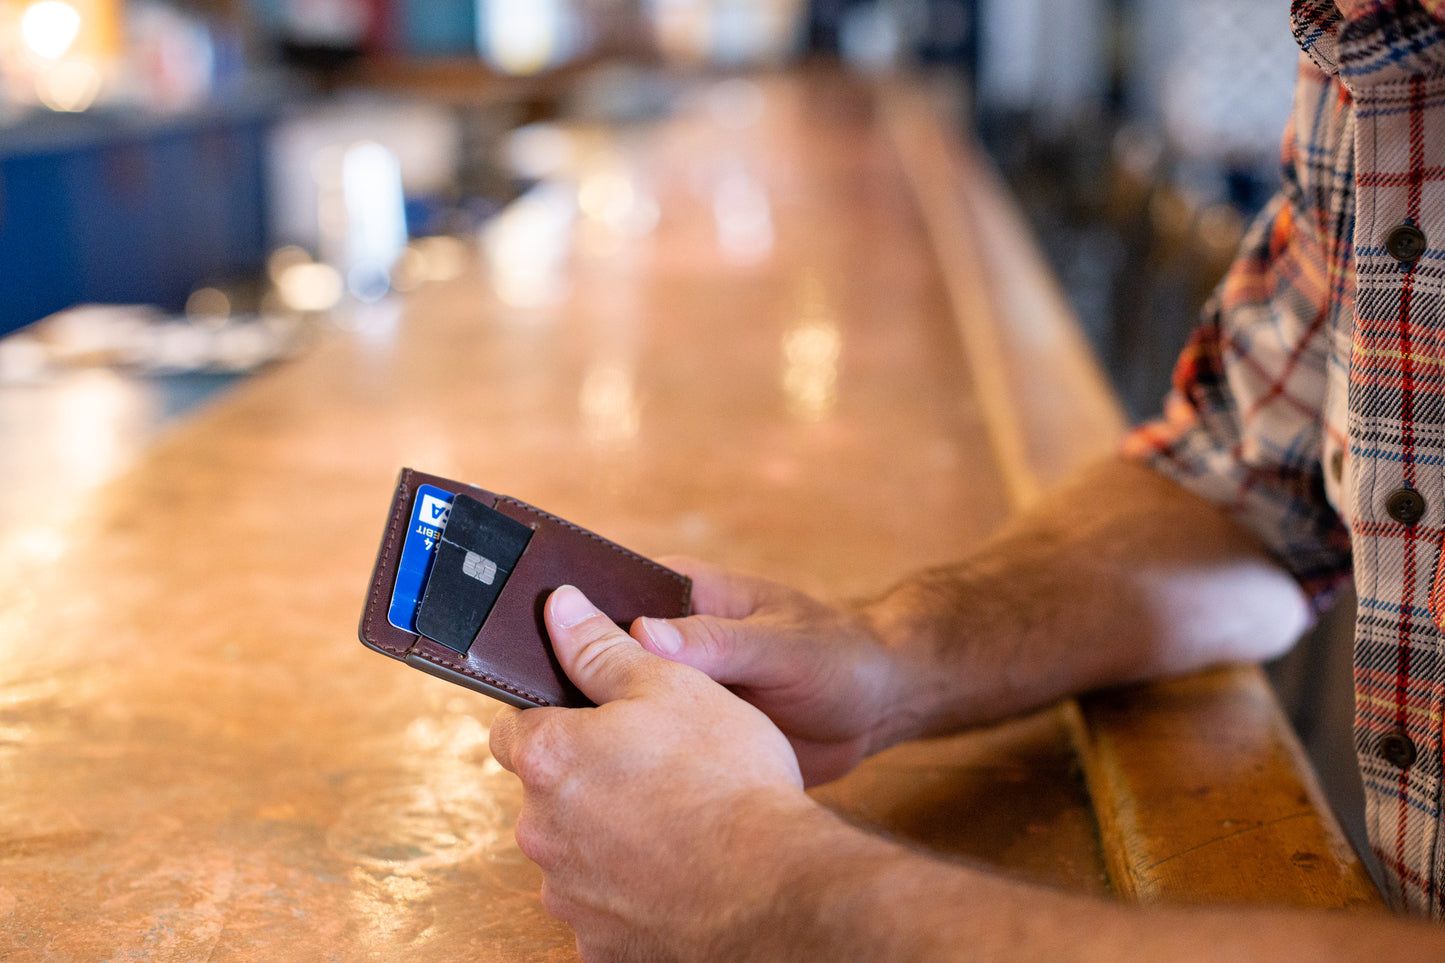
(718, 591)
(600, 659)
(726, 650)
(503, 737)
(536, 745)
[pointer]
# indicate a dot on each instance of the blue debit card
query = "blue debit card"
(428, 517)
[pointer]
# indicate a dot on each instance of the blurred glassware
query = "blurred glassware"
(375, 218)
(170, 58)
(527, 36)
(527, 247)
(361, 215)
(305, 156)
(727, 33)
(877, 36)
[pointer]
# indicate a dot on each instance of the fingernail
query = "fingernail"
(570, 606)
(666, 640)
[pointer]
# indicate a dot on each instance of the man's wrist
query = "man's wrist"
(817, 882)
(926, 684)
(833, 891)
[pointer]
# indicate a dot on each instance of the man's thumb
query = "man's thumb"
(600, 659)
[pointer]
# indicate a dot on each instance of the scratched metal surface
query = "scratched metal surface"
(198, 761)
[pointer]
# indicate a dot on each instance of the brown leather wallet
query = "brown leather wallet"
(510, 657)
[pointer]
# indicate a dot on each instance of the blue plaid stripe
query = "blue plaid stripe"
(1320, 346)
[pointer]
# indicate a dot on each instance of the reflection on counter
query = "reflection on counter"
(811, 349)
(611, 413)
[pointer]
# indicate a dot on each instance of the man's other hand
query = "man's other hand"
(638, 811)
(817, 670)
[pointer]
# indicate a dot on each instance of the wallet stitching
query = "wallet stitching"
(391, 533)
(484, 677)
(682, 581)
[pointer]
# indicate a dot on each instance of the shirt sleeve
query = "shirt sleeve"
(1244, 425)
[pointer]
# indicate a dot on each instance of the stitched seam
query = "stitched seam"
(682, 582)
(391, 533)
(483, 677)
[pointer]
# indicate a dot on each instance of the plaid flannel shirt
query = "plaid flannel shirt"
(1311, 399)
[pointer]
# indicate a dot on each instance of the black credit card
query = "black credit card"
(478, 550)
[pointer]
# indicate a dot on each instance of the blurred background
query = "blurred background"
(162, 153)
(189, 191)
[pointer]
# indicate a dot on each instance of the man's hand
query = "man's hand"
(650, 814)
(818, 671)
(1118, 576)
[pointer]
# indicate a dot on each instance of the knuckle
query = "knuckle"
(597, 646)
(540, 759)
(713, 636)
(501, 737)
(535, 842)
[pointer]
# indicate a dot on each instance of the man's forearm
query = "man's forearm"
(845, 895)
(1118, 576)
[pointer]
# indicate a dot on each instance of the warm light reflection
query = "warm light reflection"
(93, 427)
(37, 545)
(443, 258)
(69, 86)
(309, 287)
(208, 306)
(284, 258)
(811, 349)
(49, 28)
(744, 218)
(439, 258)
(409, 830)
(612, 197)
(610, 411)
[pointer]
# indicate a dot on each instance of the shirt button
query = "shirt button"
(1337, 465)
(1405, 242)
(1397, 749)
(1405, 505)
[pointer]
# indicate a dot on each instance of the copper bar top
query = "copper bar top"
(198, 760)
